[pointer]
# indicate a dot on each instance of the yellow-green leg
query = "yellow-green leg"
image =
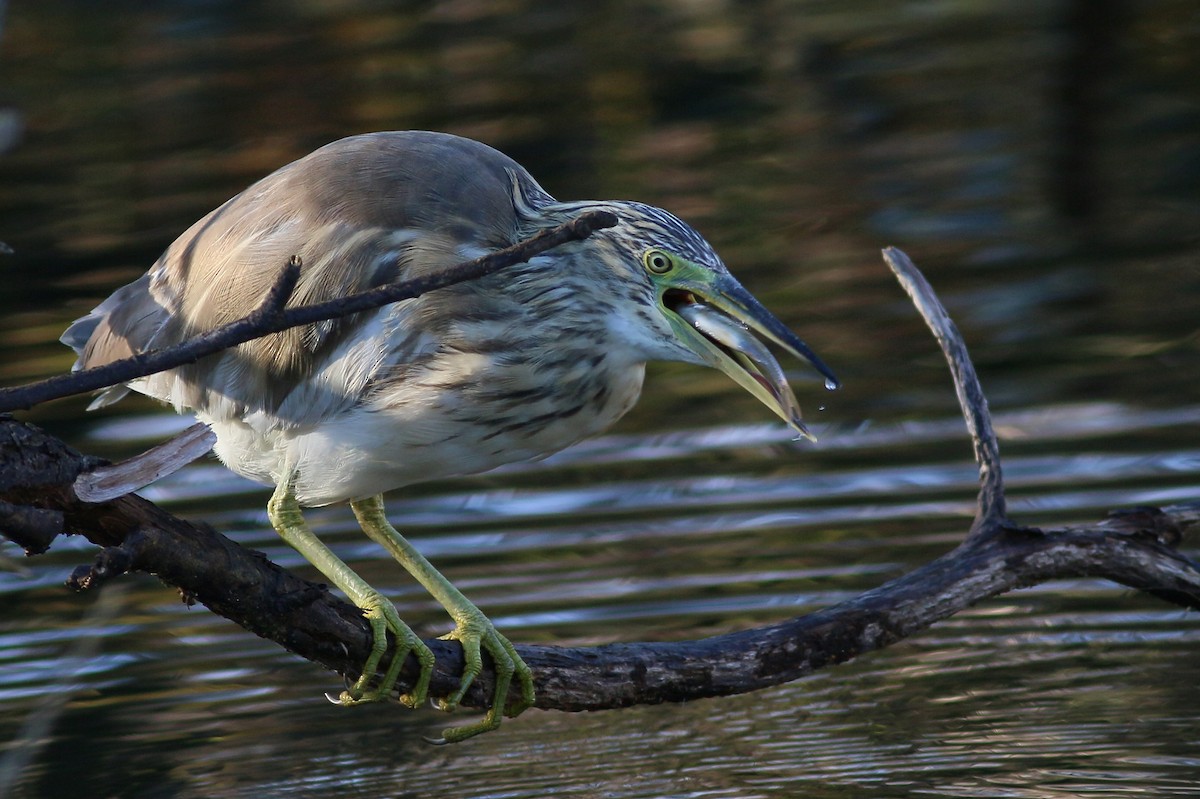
(472, 629)
(286, 518)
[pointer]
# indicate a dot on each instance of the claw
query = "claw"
(475, 632)
(383, 618)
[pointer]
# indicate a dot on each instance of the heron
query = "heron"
(507, 368)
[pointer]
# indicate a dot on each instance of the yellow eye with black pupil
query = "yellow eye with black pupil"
(658, 262)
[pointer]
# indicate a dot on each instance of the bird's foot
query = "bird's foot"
(476, 633)
(383, 618)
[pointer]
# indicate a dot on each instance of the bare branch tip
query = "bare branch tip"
(603, 219)
(279, 293)
(589, 222)
(899, 262)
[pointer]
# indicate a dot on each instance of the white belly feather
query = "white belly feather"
(429, 431)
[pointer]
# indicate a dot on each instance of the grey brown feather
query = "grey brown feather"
(460, 380)
(360, 212)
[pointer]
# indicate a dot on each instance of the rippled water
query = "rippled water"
(1039, 161)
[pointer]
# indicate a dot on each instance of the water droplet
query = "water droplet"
(831, 384)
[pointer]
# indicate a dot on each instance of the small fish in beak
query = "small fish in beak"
(750, 354)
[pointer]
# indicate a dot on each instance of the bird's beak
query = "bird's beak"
(717, 319)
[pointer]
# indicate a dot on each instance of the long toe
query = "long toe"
(478, 634)
(383, 618)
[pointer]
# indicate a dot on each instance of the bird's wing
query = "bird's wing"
(360, 212)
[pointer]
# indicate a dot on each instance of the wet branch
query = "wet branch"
(1134, 547)
(991, 510)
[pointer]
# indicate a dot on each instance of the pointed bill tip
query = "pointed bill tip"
(802, 429)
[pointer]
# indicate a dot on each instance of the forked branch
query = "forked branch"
(1136, 548)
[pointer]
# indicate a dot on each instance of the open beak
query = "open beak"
(718, 320)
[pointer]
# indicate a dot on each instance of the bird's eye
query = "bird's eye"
(658, 262)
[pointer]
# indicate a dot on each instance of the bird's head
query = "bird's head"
(683, 304)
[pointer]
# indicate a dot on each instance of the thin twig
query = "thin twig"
(991, 513)
(268, 318)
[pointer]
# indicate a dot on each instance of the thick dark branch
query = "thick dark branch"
(34, 529)
(645, 673)
(270, 317)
